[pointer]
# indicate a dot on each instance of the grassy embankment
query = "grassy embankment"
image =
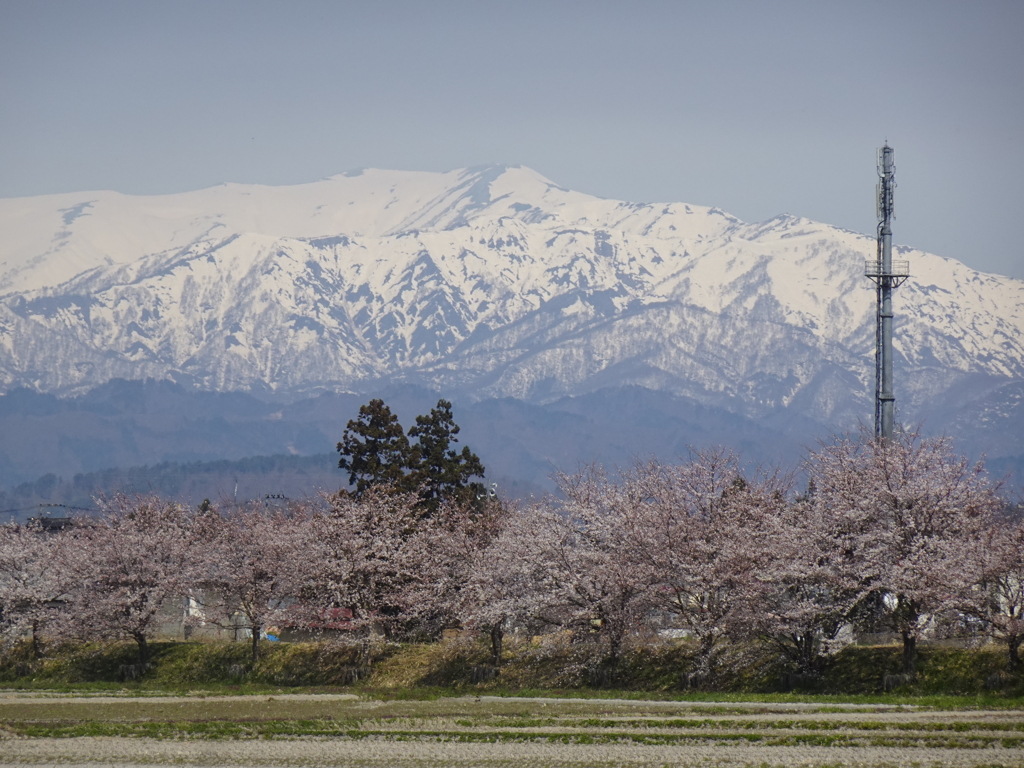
(554, 666)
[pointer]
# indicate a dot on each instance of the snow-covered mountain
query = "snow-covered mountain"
(488, 282)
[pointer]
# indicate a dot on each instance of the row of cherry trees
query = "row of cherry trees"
(902, 535)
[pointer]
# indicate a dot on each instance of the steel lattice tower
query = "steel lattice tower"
(887, 275)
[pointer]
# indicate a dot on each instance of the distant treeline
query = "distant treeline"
(256, 476)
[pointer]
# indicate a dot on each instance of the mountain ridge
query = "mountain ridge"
(491, 282)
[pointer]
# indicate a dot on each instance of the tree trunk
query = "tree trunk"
(1013, 663)
(497, 643)
(143, 649)
(909, 652)
(35, 639)
(805, 653)
(705, 662)
(614, 648)
(256, 629)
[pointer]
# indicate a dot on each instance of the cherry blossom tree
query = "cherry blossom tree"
(915, 512)
(564, 563)
(810, 578)
(507, 582)
(704, 535)
(588, 540)
(452, 540)
(251, 568)
(580, 545)
(365, 557)
(999, 599)
(31, 580)
(138, 556)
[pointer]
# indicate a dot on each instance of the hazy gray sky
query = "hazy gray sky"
(758, 108)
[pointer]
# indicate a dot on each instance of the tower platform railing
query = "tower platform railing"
(899, 271)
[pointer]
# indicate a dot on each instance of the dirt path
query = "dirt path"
(366, 754)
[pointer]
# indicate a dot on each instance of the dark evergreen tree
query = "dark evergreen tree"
(375, 450)
(441, 471)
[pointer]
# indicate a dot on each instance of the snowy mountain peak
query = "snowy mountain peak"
(491, 281)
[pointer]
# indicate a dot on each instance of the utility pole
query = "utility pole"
(887, 276)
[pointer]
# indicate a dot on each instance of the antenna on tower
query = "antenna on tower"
(887, 276)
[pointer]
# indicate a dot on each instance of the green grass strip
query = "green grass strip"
(803, 725)
(275, 729)
(677, 723)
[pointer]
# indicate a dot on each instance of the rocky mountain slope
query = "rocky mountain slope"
(493, 283)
